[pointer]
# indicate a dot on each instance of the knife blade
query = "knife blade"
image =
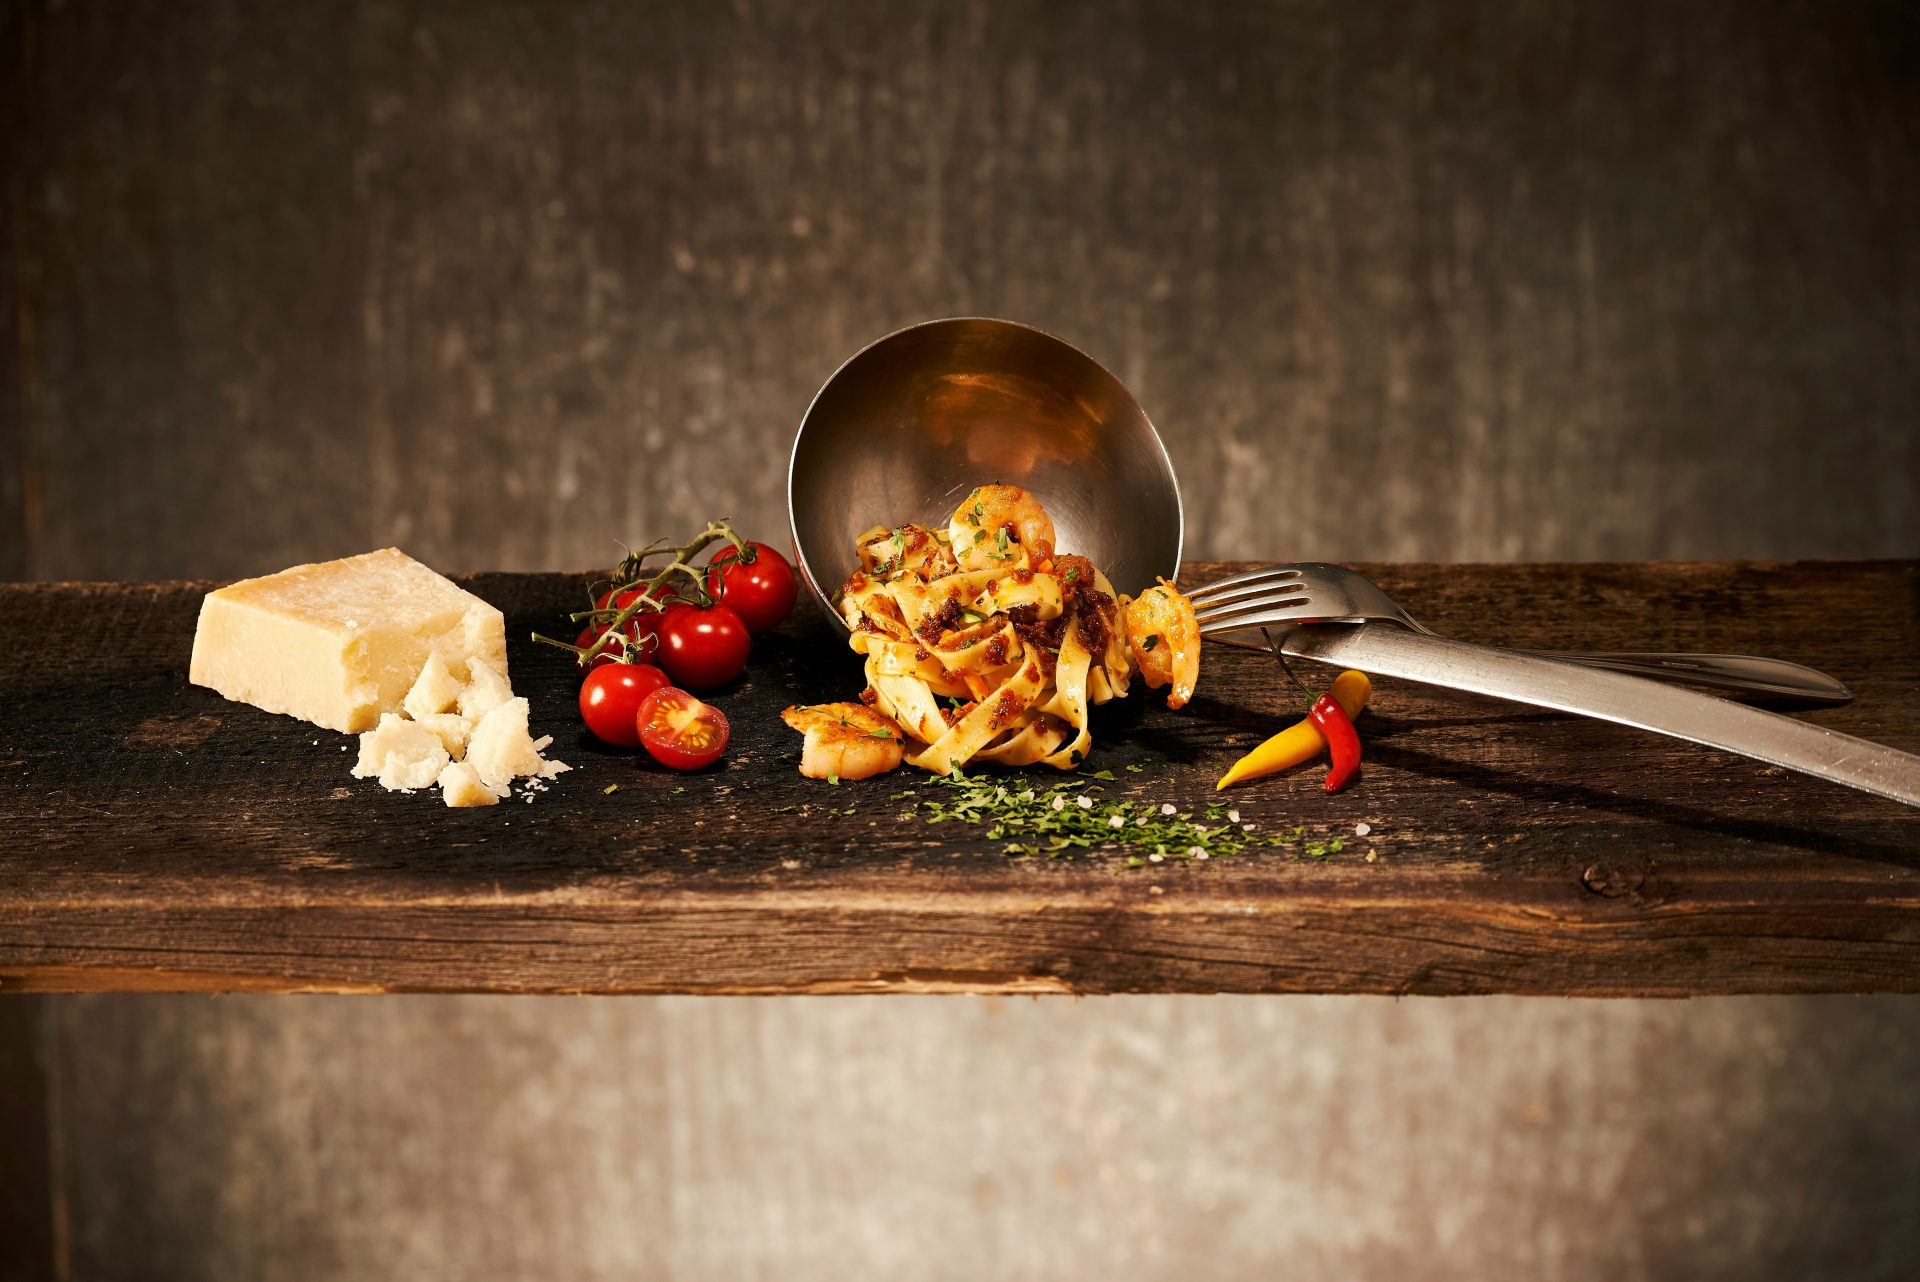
(1612, 696)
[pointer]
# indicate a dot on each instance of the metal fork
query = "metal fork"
(1314, 592)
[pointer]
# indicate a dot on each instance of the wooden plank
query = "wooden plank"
(181, 842)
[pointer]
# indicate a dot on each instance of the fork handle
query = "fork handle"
(1613, 696)
(1746, 672)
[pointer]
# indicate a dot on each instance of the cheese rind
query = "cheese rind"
(338, 643)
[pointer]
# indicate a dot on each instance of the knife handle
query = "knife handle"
(1613, 696)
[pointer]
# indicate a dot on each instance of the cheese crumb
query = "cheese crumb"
(486, 691)
(502, 750)
(401, 753)
(434, 690)
(460, 785)
(451, 729)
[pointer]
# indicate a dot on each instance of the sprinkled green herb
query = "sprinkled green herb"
(972, 616)
(1135, 769)
(681, 788)
(1150, 642)
(833, 778)
(1070, 575)
(1051, 821)
(880, 734)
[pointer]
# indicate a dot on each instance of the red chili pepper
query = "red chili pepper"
(1343, 742)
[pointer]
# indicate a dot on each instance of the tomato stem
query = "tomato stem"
(627, 575)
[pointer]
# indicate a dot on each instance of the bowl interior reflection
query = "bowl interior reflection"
(906, 427)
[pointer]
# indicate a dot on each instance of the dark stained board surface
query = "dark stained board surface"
(163, 838)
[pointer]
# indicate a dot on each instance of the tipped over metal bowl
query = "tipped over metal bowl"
(912, 422)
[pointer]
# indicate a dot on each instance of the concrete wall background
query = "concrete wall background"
(503, 282)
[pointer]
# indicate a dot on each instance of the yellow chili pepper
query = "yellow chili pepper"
(1302, 741)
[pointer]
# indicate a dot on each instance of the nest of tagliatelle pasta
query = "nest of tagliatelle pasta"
(983, 644)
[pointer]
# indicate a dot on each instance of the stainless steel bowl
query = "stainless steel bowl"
(906, 427)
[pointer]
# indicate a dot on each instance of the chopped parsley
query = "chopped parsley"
(1150, 642)
(1056, 821)
(1071, 574)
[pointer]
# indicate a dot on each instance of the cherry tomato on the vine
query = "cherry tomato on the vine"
(680, 731)
(702, 648)
(610, 700)
(641, 628)
(758, 585)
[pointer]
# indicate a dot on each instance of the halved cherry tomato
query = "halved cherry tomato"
(757, 584)
(680, 731)
(610, 700)
(700, 648)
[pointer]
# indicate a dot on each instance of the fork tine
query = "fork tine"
(1265, 574)
(1271, 608)
(1293, 612)
(1246, 592)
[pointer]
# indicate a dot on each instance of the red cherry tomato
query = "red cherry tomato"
(700, 648)
(610, 700)
(757, 585)
(680, 731)
(646, 643)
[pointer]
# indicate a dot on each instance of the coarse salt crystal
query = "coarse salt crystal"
(1085, 803)
(1166, 807)
(1361, 830)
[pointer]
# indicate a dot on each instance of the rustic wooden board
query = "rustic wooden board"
(166, 839)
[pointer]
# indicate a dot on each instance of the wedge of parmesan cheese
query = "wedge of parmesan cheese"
(342, 642)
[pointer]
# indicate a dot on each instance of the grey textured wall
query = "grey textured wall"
(505, 281)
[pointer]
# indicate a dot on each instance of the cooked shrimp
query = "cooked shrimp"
(1165, 640)
(844, 740)
(991, 519)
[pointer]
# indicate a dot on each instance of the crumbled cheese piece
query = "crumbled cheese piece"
(435, 690)
(460, 785)
(340, 642)
(403, 754)
(487, 689)
(502, 750)
(452, 730)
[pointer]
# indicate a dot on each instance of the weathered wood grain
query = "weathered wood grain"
(177, 841)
